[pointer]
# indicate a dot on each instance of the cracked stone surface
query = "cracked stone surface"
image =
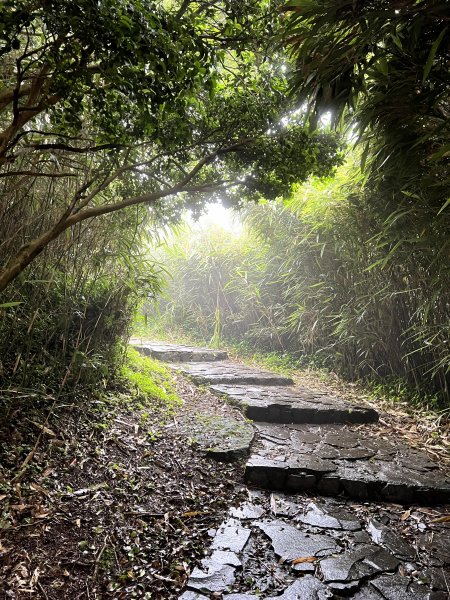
(214, 373)
(293, 405)
(334, 459)
(346, 547)
(178, 353)
(276, 546)
(221, 438)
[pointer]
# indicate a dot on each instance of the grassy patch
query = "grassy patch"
(151, 383)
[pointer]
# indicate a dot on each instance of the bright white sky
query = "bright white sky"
(217, 215)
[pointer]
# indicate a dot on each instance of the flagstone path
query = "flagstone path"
(311, 528)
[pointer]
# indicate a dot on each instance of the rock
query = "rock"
(293, 405)
(289, 543)
(231, 536)
(240, 597)
(363, 561)
(396, 587)
(306, 588)
(228, 372)
(221, 438)
(320, 515)
(217, 572)
(334, 459)
(391, 540)
(437, 543)
(213, 580)
(177, 352)
(192, 596)
(247, 510)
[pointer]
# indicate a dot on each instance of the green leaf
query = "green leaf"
(10, 304)
(444, 206)
(432, 54)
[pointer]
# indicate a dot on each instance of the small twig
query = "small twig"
(43, 592)
(99, 555)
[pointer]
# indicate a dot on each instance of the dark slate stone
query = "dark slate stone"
(363, 561)
(231, 535)
(344, 461)
(319, 515)
(214, 373)
(439, 579)
(266, 473)
(218, 570)
(293, 405)
(221, 438)
(396, 587)
(388, 537)
(290, 543)
(306, 588)
(178, 353)
(437, 543)
(216, 579)
(247, 511)
(367, 592)
(301, 483)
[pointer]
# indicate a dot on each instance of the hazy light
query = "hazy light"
(216, 216)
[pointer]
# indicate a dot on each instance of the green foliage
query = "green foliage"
(311, 279)
(152, 382)
(385, 65)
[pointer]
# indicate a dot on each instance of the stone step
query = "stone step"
(284, 547)
(293, 405)
(339, 459)
(211, 373)
(177, 352)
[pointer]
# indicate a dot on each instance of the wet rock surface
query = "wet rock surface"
(214, 373)
(293, 405)
(221, 438)
(178, 352)
(293, 548)
(304, 547)
(336, 459)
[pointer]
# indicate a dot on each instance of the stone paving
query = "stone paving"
(229, 372)
(293, 405)
(276, 546)
(178, 352)
(336, 459)
(355, 540)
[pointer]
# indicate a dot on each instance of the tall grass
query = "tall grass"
(334, 275)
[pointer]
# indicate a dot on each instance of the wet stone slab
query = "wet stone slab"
(277, 546)
(221, 438)
(293, 405)
(336, 460)
(212, 373)
(178, 353)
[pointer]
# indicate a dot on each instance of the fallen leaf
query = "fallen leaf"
(37, 488)
(444, 519)
(194, 513)
(405, 515)
(44, 428)
(304, 559)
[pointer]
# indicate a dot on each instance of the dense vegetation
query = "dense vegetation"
(352, 272)
(128, 111)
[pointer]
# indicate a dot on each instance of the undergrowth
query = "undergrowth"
(151, 384)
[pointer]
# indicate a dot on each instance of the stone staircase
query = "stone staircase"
(315, 444)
